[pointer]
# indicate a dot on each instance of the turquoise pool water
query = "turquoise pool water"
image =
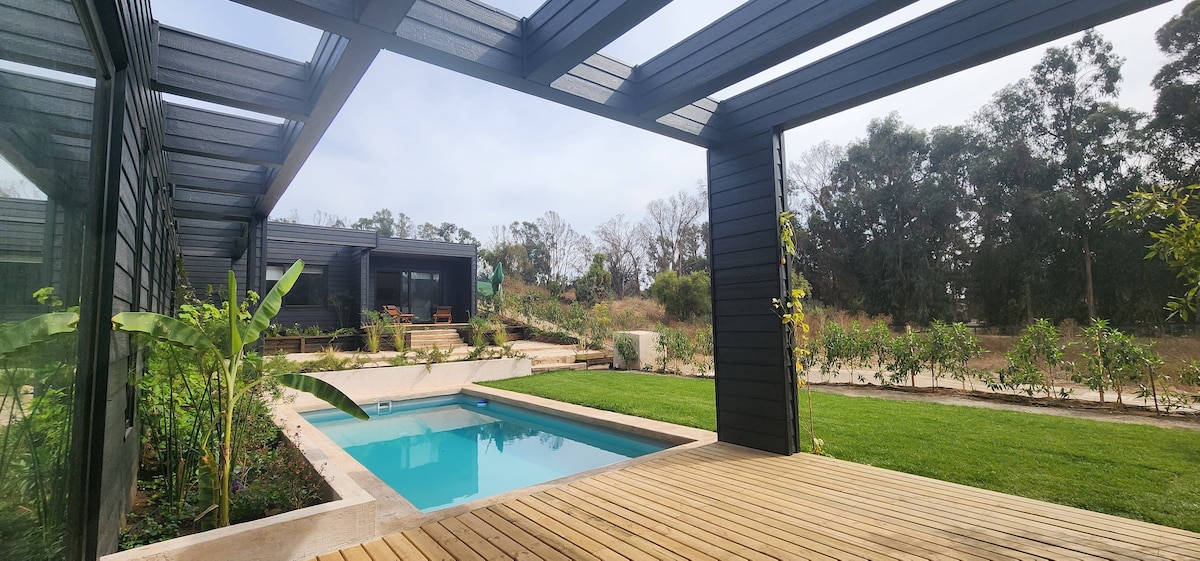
(442, 451)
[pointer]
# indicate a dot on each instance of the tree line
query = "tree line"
(1005, 218)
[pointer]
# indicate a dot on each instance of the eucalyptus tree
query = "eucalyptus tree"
(1014, 235)
(1176, 120)
(388, 225)
(567, 251)
(676, 231)
(623, 244)
(1073, 123)
(888, 240)
(809, 176)
(446, 232)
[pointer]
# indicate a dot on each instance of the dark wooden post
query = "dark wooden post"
(755, 376)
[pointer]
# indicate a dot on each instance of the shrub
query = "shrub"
(596, 284)
(623, 345)
(674, 349)
(1032, 361)
(683, 297)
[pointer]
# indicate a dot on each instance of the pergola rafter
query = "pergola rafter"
(749, 40)
(961, 35)
(561, 34)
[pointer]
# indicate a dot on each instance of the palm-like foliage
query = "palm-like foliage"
(230, 363)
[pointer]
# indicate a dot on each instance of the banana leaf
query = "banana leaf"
(269, 305)
(35, 330)
(163, 328)
(323, 390)
(231, 310)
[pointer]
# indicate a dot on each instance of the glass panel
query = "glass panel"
(309, 289)
(46, 99)
(425, 293)
(387, 290)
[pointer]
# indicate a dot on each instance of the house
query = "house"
(347, 271)
(139, 187)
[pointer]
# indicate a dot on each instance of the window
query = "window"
(309, 290)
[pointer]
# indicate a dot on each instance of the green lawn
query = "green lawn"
(1135, 471)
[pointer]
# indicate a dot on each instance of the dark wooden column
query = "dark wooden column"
(755, 376)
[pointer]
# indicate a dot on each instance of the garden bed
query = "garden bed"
(310, 343)
(347, 518)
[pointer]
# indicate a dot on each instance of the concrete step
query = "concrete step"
(547, 367)
(552, 356)
(444, 339)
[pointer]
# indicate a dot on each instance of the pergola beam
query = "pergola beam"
(478, 41)
(45, 105)
(561, 34)
(958, 36)
(748, 40)
(188, 130)
(44, 34)
(202, 68)
(339, 63)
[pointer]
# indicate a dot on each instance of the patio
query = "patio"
(125, 190)
(723, 501)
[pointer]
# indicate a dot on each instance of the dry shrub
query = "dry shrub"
(636, 313)
(818, 317)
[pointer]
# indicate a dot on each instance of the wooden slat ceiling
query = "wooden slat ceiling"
(248, 163)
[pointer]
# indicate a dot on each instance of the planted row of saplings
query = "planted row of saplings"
(1105, 360)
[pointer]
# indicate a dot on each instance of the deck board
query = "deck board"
(726, 502)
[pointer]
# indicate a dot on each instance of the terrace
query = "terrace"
(722, 501)
(136, 190)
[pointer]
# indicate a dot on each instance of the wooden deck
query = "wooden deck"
(725, 502)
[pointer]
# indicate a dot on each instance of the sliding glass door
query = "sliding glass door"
(414, 292)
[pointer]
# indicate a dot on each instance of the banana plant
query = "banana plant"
(36, 329)
(230, 364)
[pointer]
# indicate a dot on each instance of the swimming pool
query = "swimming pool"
(443, 451)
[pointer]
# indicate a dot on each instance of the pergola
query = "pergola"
(134, 185)
(226, 173)
(554, 54)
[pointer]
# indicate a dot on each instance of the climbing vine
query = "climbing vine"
(791, 312)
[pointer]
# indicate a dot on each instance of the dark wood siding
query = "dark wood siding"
(352, 258)
(755, 378)
(144, 272)
(340, 251)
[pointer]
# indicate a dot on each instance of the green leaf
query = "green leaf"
(35, 330)
(269, 305)
(231, 309)
(324, 391)
(163, 328)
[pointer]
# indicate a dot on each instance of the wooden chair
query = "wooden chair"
(397, 315)
(442, 315)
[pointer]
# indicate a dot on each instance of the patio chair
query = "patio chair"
(442, 315)
(396, 315)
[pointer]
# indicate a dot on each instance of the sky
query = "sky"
(441, 147)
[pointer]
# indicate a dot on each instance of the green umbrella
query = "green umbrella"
(497, 277)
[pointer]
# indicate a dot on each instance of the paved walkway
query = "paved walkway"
(1079, 393)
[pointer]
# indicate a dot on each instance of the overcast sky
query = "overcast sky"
(442, 147)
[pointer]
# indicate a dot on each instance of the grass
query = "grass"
(1135, 471)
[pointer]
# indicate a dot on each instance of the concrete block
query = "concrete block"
(646, 345)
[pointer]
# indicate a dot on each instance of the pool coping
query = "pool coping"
(393, 513)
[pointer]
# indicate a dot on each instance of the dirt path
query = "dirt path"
(1068, 408)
